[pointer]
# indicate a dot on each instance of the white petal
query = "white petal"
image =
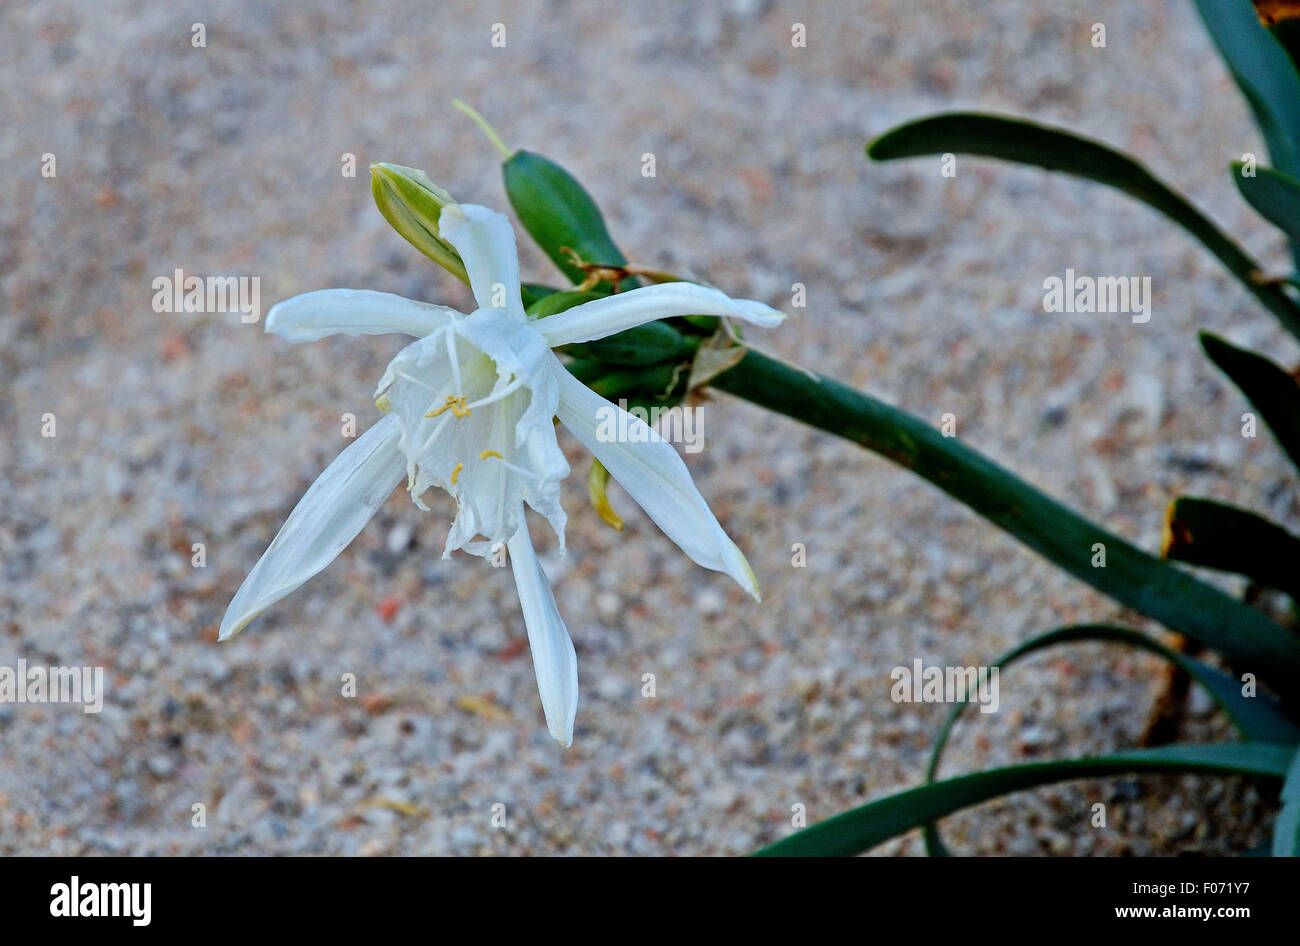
(625, 310)
(655, 476)
(314, 315)
(486, 243)
(327, 518)
(554, 659)
(542, 494)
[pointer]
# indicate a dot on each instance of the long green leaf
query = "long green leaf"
(1274, 195)
(1130, 576)
(863, 828)
(1286, 833)
(1012, 139)
(1273, 391)
(1257, 718)
(1264, 72)
(1263, 63)
(1287, 32)
(1215, 535)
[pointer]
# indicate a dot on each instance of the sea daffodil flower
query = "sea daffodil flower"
(470, 407)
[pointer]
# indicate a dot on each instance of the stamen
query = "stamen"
(456, 472)
(455, 404)
(490, 453)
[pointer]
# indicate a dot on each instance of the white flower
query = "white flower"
(470, 409)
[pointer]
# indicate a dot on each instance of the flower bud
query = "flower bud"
(412, 204)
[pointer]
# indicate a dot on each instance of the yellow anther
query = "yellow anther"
(455, 404)
(456, 472)
(384, 403)
(596, 481)
(490, 453)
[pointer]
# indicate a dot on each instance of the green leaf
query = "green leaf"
(647, 386)
(1273, 391)
(1286, 832)
(863, 828)
(559, 215)
(1264, 72)
(1274, 195)
(644, 345)
(1130, 576)
(1011, 139)
(1257, 718)
(1287, 32)
(643, 386)
(587, 370)
(557, 302)
(1215, 535)
(532, 293)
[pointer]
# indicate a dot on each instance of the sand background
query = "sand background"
(174, 429)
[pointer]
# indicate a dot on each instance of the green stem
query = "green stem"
(1130, 576)
(484, 127)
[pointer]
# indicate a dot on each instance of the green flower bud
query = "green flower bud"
(412, 204)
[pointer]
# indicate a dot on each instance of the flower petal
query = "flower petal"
(327, 518)
(625, 310)
(554, 659)
(314, 315)
(653, 473)
(486, 243)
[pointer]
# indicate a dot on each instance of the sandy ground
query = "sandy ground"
(175, 429)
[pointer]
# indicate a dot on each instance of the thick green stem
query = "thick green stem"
(1130, 576)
